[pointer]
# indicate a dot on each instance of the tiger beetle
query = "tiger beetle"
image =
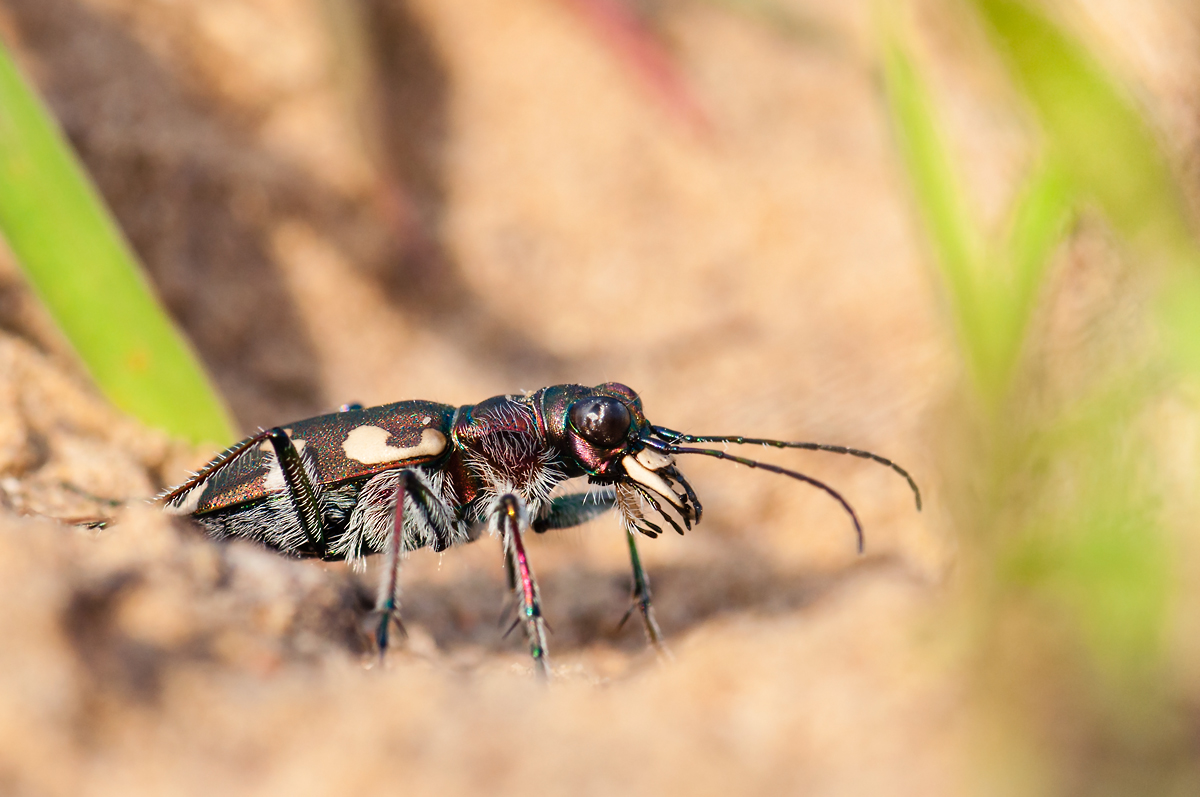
(404, 476)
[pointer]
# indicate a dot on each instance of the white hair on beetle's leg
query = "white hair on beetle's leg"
(373, 519)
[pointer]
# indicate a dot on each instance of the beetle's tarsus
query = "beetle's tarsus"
(633, 604)
(381, 638)
(382, 631)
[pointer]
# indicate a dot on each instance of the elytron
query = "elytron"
(404, 476)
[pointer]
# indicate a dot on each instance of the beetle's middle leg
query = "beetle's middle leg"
(512, 520)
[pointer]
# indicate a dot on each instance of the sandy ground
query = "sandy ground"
(454, 200)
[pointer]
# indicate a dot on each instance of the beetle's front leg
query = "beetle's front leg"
(511, 519)
(641, 599)
(575, 509)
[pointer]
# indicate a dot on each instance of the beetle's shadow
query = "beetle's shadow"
(583, 606)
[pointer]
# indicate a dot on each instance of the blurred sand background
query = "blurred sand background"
(382, 200)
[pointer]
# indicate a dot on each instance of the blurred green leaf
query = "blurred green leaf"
(929, 165)
(1102, 516)
(1179, 308)
(993, 289)
(1110, 154)
(84, 271)
(1040, 219)
(1062, 496)
(1093, 129)
(957, 244)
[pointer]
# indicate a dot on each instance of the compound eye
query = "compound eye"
(601, 420)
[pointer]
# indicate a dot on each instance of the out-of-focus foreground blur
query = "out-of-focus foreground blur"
(871, 224)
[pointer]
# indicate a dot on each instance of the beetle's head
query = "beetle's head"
(604, 433)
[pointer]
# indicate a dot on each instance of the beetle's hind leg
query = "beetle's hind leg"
(511, 519)
(388, 602)
(302, 531)
(430, 525)
(304, 495)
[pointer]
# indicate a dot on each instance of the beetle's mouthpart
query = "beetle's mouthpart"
(650, 479)
(652, 476)
(655, 459)
(689, 495)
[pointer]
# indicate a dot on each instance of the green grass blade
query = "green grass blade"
(1040, 218)
(929, 168)
(955, 236)
(88, 278)
(1093, 129)
(1108, 151)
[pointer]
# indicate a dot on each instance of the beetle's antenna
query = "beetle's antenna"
(679, 437)
(750, 463)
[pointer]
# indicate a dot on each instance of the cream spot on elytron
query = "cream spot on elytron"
(369, 445)
(274, 480)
